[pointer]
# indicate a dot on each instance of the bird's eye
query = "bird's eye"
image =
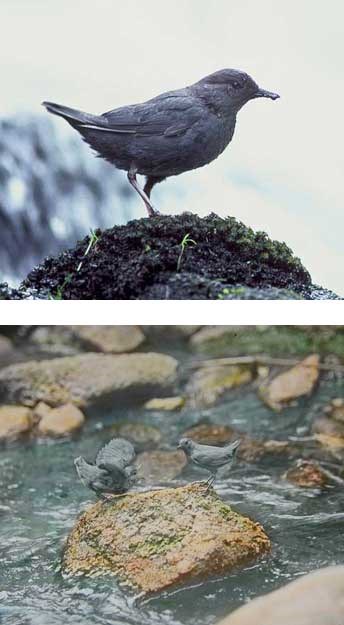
(236, 84)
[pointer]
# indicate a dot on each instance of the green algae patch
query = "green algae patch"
(163, 538)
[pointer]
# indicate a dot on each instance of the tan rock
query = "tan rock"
(306, 474)
(159, 539)
(165, 403)
(40, 410)
(5, 345)
(296, 382)
(335, 409)
(328, 426)
(87, 378)
(314, 599)
(159, 466)
(61, 421)
(109, 339)
(208, 383)
(213, 334)
(14, 421)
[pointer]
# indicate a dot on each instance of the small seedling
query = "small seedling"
(93, 239)
(60, 289)
(185, 242)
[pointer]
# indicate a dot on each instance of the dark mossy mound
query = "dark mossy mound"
(146, 259)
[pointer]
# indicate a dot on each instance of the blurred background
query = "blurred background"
(281, 174)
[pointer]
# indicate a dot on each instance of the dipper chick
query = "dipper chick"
(172, 133)
(209, 457)
(112, 472)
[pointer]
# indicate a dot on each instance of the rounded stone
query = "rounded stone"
(14, 421)
(61, 421)
(159, 539)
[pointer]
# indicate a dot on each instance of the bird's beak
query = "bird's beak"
(262, 93)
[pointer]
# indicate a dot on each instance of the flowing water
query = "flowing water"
(40, 500)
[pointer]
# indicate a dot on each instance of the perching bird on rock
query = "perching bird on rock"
(170, 134)
(208, 456)
(112, 472)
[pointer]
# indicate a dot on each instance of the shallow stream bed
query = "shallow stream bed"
(40, 499)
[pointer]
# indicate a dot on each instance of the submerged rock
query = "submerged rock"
(165, 403)
(61, 421)
(86, 379)
(145, 259)
(158, 466)
(306, 474)
(315, 599)
(208, 383)
(159, 539)
(14, 421)
(142, 436)
(292, 384)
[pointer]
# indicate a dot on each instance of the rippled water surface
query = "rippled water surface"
(40, 500)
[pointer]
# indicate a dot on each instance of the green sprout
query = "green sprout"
(185, 242)
(93, 239)
(60, 289)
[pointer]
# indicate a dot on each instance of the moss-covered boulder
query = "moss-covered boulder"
(158, 539)
(87, 378)
(154, 259)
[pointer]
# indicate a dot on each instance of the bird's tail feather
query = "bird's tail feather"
(73, 116)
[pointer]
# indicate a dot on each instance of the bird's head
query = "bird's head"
(234, 88)
(186, 444)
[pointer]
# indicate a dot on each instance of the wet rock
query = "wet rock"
(5, 345)
(328, 426)
(208, 383)
(54, 340)
(160, 466)
(315, 599)
(41, 410)
(210, 337)
(211, 434)
(14, 421)
(170, 333)
(292, 384)
(335, 410)
(306, 474)
(87, 378)
(111, 339)
(61, 421)
(142, 436)
(165, 403)
(159, 539)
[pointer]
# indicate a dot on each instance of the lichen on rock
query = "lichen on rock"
(159, 539)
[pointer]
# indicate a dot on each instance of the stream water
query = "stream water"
(40, 499)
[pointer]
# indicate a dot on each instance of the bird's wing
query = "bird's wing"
(168, 115)
(116, 455)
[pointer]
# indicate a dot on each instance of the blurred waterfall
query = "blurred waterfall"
(52, 191)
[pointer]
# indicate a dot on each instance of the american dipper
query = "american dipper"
(112, 472)
(171, 133)
(209, 457)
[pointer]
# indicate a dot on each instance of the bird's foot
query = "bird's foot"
(152, 212)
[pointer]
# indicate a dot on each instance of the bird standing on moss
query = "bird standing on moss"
(209, 457)
(170, 134)
(112, 472)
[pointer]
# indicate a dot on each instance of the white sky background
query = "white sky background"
(283, 172)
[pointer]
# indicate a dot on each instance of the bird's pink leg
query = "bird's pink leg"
(133, 181)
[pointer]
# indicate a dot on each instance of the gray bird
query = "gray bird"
(170, 134)
(209, 457)
(112, 472)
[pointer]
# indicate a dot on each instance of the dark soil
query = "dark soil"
(144, 260)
